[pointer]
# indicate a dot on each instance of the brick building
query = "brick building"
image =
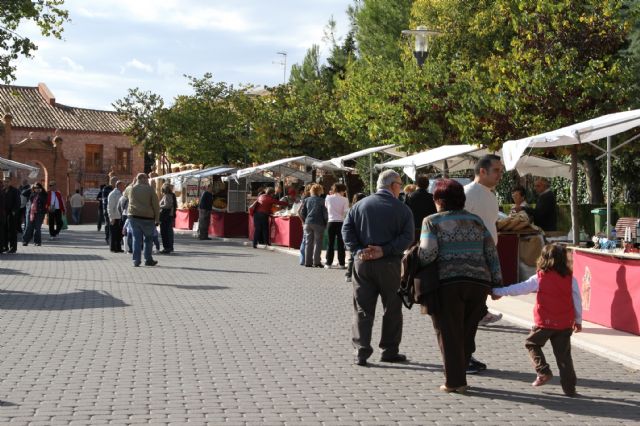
(77, 147)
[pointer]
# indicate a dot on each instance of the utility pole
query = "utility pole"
(284, 66)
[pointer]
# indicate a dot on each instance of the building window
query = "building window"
(93, 158)
(123, 160)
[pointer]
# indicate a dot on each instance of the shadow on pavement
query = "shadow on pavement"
(5, 271)
(82, 299)
(58, 257)
(209, 270)
(191, 287)
(7, 404)
(209, 254)
(504, 329)
(527, 378)
(581, 405)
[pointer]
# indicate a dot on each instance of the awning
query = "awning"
(6, 164)
(287, 167)
(387, 149)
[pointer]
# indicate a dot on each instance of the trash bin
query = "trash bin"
(600, 219)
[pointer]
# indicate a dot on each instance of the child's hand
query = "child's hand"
(577, 328)
(495, 297)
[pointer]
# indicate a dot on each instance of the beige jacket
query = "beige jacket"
(143, 202)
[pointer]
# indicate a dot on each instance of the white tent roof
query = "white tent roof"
(284, 167)
(184, 173)
(387, 149)
(464, 157)
(6, 164)
(217, 171)
(587, 131)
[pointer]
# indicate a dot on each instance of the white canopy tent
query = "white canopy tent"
(185, 173)
(386, 149)
(12, 166)
(585, 132)
(464, 157)
(291, 167)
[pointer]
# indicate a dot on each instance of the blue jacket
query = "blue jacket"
(380, 220)
(314, 212)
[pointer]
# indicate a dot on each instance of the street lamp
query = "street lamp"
(421, 35)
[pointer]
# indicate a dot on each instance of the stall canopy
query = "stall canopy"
(386, 149)
(464, 157)
(585, 132)
(12, 166)
(290, 167)
(186, 173)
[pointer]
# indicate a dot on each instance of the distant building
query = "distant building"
(76, 147)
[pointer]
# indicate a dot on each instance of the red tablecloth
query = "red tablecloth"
(285, 231)
(610, 289)
(509, 257)
(185, 218)
(231, 225)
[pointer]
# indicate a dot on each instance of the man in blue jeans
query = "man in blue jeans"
(144, 216)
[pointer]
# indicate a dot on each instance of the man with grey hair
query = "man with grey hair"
(144, 216)
(545, 214)
(115, 217)
(377, 231)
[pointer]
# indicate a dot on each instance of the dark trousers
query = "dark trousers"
(561, 344)
(55, 222)
(100, 217)
(349, 272)
(260, 228)
(116, 235)
(204, 220)
(371, 279)
(455, 324)
(166, 232)
(334, 231)
(33, 229)
(12, 231)
(4, 243)
(21, 219)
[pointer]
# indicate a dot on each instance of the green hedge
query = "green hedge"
(587, 219)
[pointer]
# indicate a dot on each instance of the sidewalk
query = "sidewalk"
(617, 346)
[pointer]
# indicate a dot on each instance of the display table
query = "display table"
(509, 254)
(185, 218)
(229, 225)
(285, 231)
(610, 287)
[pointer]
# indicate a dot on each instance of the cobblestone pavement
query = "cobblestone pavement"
(220, 333)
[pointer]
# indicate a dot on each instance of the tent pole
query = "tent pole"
(371, 174)
(575, 219)
(608, 186)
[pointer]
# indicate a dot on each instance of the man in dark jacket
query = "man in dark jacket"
(421, 203)
(105, 196)
(545, 213)
(12, 215)
(204, 213)
(377, 231)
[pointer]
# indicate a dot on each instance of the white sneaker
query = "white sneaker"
(490, 318)
(327, 266)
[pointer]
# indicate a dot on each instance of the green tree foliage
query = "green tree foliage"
(48, 15)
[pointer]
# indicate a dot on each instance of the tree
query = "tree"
(142, 111)
(46, 14)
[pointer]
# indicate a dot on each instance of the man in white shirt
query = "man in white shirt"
(76, 201)
(115, 233)
(482, 201)
(337, 205)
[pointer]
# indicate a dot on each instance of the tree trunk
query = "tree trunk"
(594, 180)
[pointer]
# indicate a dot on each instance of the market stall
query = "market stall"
(610, 287)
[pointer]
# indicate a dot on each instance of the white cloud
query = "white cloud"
(165, 69)
(73, 66)
(136, 64)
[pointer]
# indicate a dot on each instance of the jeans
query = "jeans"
(75, 215)
(313, 235)
(33, 230)
(142, 236)
(302, 249)
(260, 228)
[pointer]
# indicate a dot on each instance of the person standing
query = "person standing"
(337, 206)
(37, 209)
(143, 215)
(12, 207)
(314, 216)
(378, 230)
(518, 195)
(25, 191)
(482, 201)
(105, 197)
(115, 217)
(77, 202)
(167, 213)
(3, 219)
(545, 214)
(261, 216)
(421, 203)
(55, 209)
(100, 207)
(204, 213)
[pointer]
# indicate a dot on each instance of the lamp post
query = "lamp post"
(421, 36)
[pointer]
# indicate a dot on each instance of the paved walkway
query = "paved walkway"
(220, 333)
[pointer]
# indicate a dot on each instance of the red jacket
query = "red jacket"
(266, 202)
(58, 196)
(554, 301)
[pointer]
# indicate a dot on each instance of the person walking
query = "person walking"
(115, 233)
(101, 207)
(557, 314)
(25, 192)
(143, 215)
(77, 202)
(167, 214)
(420, 202)
(12, 215)
(204, 213)
(314, 216)
(337, 206)
(55, 210)
(105, 197)
(37, 209)
(349, 273)
(378, 230)
(468, 268)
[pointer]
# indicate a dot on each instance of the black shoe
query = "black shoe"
(25, 244)
(360, 361)
(164, 251)
(150, 263)
(475, 366)
(136, 264)
(38, 244)
(12, 250)
(204, 239)
(394, 358)
(318, 266)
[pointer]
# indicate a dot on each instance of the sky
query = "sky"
(111, 46)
